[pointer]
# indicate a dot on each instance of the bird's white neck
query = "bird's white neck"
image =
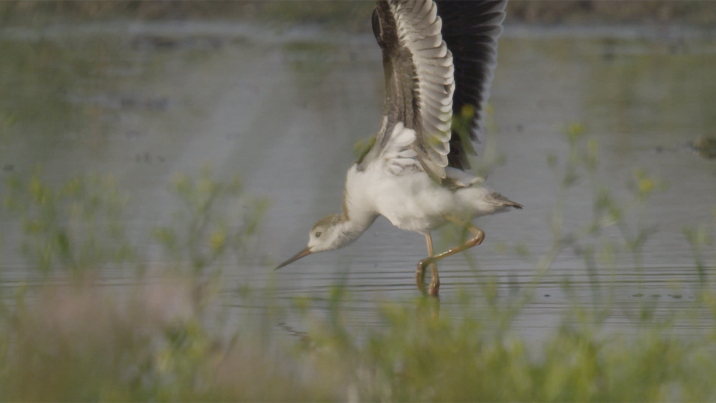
(358, 212)
(348, 231)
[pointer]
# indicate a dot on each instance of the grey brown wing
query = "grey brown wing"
(419, 78)
(438, 60)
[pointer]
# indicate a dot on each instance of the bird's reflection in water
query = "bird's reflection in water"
(427, 308)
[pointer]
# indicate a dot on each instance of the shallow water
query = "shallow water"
(283, 109)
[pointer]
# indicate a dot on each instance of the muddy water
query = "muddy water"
(283, 109)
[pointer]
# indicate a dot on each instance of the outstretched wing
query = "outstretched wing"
(419, 78)
(470, 30)
(421, 72)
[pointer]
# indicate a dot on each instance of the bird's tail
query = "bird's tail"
(503, 201)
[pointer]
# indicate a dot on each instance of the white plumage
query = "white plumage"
(438, 58)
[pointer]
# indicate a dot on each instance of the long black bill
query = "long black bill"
(298, 255)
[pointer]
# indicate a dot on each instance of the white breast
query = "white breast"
(411, 201)
(394, 184)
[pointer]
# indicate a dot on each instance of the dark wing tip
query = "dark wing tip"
(470, 30)
(375, 21)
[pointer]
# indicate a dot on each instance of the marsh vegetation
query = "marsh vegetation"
(141, 218)
(70, 335)
(348, 14)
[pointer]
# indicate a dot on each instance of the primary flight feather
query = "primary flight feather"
(438, 61)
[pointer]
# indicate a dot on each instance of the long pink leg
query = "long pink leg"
(430, 260)
(420, 273)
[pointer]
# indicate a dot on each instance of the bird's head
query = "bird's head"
(325, 235)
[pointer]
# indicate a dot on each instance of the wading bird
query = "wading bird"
(438, 61)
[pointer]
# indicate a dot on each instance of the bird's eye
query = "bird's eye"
(318, 234)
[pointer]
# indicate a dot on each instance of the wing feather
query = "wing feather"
(470, 30)
(438, 56)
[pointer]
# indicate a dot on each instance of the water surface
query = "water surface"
(283, 109)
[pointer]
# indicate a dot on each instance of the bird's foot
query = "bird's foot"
(433, 288)
(420, 277)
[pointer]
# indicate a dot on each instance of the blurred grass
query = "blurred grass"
(345, 14)
(27, 73)
(77, 227)
(214, 219)
(610, 11)
(60, 93)
(349, 14)
(76, 340)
